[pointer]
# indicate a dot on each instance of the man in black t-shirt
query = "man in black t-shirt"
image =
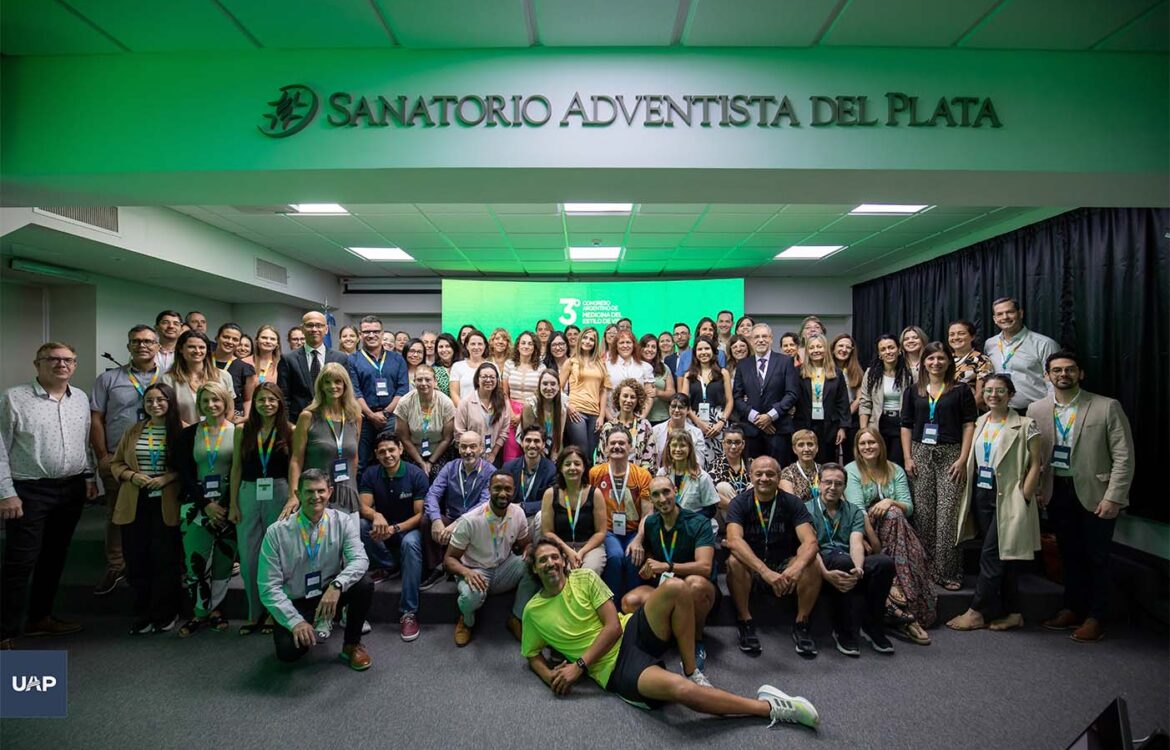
(773, 545)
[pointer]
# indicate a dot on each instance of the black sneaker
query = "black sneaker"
(432, 580)
(805, 645)
(846, 644)
(749, 642)
(876, 637)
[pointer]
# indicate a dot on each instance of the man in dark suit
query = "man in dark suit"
(765, 389)
(299, 369)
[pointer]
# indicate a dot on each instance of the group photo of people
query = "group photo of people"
(617, 485)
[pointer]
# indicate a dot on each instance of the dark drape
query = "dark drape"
(1094, 279)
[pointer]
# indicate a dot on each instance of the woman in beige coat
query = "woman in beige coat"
(1003, 475)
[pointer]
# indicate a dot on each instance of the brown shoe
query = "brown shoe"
(50, 625)
(1090, 632)
(7, 644)
(1065, 619)
(109, 582)
(462, 633)
(514, 626)
(356, 656)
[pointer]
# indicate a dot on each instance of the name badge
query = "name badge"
(487, 442)
(425, 448)
(930, 434)
(1062, 457)
(986, 478)
(211, 486)
(312, 584)
(154, 493)
(662, 578)
(705, 411)
(547, 445)
(264, 488)
(381, 387)
(340, 470)
(619, 524)
(818, 412)
(142, 415)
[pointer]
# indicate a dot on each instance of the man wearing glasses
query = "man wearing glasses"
(298, 371)
(46, 475)
(116, 405)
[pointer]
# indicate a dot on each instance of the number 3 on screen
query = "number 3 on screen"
(570, 315)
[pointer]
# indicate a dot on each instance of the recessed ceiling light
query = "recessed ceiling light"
(380, 253)
(808, 251)
(318, 209)
(886, 209)
(592, 253)
(594, 209)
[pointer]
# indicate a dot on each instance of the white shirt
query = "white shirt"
(1025, 357)
(474, 535)
(629, 368)
(658, 438)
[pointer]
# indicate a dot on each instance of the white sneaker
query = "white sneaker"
(699, 678)
(788, 708)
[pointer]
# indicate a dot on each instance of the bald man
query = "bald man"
(458, 487)
(298, 370)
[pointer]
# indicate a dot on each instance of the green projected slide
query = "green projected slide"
(654, 306)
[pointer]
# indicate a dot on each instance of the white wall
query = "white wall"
(24, 328)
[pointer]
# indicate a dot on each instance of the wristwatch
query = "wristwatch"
(396, 529)
(582, 665)
(336, 584)
(670, 567)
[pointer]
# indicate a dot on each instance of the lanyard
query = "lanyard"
(1011, 351)
(668, 553)
(814, 483)
(818, 384)
(737, 479)
(312, 548)
(681, 483)
(463, 490)
(138, 386)
(155, 455)
(933, 400)
(225, 364)
(267, 370)
(760, 515)
(573, 516)
(338, 435)
(528, 481)
(426, 416)
(499, 531)
(212, 453)
(989, 437)
(1065, 430)
(624, 493)
(836, 524)
(378, 364)
(265, 455)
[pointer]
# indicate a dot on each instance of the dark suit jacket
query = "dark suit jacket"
(835, 400)
(293, 373)
(778, 391)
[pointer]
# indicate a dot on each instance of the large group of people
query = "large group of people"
(605, 479)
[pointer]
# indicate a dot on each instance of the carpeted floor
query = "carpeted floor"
(1028, 689)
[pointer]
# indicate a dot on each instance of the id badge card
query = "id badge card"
(662, 578)
(142, 414)
(381, 387)
(930, 434)
(705, 411)
(548, 445)
(1062, 457)
(264, 488)
(985, 479)
(340, 470)
(154, 493)
(312, 584)
(487, 442)
(818, 412)
(212, 487)
(619, 524)
(425, 448)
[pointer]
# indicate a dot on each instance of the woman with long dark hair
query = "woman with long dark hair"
(573, 514)
(521, 375)
(881, 395)
(547, 410)
(558, 352)
(648, 346)
(708, 390)
(192, 368)
(446, 355)
(485, 411)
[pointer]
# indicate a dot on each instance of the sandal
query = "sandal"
(190, 627)
(914, 632)
(267, 628)
(249, 628)
(218, 622)
(952, 585)
(896, 617)
(897, 597)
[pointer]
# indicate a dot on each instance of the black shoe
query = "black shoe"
(432, 580)
(846, 644)
(805, 645)
(876, 637)
(749, 642)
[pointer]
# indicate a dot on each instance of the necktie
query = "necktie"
(763, 366)
(315, 367)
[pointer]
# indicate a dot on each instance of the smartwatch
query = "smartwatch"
(336, 584)
(582, 665)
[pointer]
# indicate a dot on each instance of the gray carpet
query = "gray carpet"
(1028, 689)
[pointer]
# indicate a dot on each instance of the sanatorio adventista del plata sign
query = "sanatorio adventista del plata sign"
(297, 106)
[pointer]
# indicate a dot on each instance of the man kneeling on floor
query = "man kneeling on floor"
(575, 615)
(482, 555)
(679, 544)
(310, 564)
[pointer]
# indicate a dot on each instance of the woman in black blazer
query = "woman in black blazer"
(823, 403)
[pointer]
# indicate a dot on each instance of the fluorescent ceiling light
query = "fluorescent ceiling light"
(886, 209)
(808, 251)
(380, 253)
(320, 209)
(594, 253)
(591, 209)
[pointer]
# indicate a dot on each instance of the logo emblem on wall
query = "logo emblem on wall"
(291, 112)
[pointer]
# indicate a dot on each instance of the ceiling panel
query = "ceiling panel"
(596, 238)
(905, 23)
(321, 224)
(773, 239)
(311, 23)
(587, 224)
(398, 223)
(421, 240)
(671, 208)
(456, 23)
(713, 222)
(714, 239)
(531, 223)
(49, 29)
(537, 240)
(757, 23)
(1054, 24)
(174, 25)
(654, 240)
(663, 222)
(557, 266)
(644, 23)
(547, 209)
(541, 253)
(744, 208)
(1148, 33)
(478, 239)
(381, 209)
(787, 223)
(642, 266)
(472, 222)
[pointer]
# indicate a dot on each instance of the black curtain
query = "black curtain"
(1094, 279)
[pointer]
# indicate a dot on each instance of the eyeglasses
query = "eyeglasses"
(153, 401)
(143, 342)
(69, 361)
(313, 326)
(995, 391)
(832, 483)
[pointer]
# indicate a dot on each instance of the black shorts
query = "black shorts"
(640, 650)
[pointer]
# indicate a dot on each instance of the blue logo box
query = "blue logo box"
(35, 684)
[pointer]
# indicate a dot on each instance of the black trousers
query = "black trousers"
(868, 596)
(891, 429)
(356, 602)
(154, 562)
(777, 445)
(36, 547)
(1084, 541)
(997, 592)
(826, 433)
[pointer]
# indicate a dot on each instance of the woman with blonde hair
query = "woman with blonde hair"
(499, 348)
(192, 368)
(548, 411)
(266, 357)
(587, 381)
(680, 462)
(822, 404)
(326, 438)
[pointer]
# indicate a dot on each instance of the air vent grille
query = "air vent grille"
(271, 272)
(99, 217)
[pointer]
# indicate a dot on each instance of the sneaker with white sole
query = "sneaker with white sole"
(366, 627)
(876, 638)
(699, 678)
(788, 708)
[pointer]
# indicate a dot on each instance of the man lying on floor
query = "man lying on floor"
(574, 614)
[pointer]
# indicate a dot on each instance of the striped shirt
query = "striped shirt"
(156, 436)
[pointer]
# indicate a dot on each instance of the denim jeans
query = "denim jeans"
(620, 574)
(401, 549)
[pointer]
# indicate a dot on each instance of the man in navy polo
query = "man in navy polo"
(379, 380)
